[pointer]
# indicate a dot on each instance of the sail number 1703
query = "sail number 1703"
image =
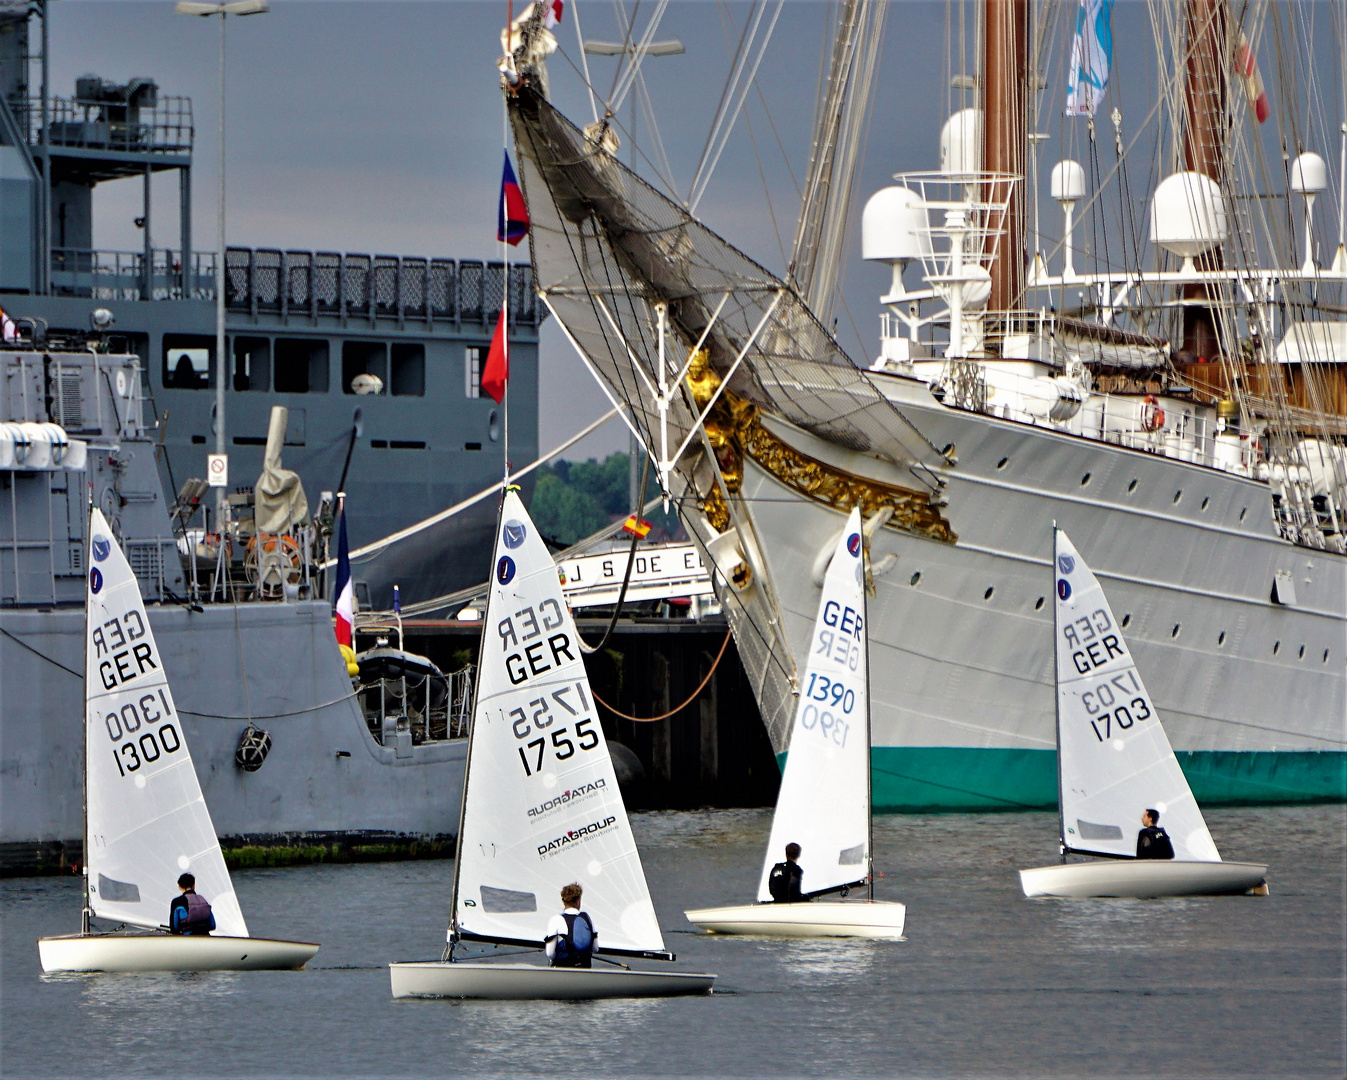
(1110, 703)
(538, 719)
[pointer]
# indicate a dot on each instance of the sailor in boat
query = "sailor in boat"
(190, 912)
(785, 878)
(1152, 841)
(571, 936)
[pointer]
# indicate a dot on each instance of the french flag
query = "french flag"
(513, 222)
(345, 598)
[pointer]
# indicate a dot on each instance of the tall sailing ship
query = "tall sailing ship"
(1179, 409)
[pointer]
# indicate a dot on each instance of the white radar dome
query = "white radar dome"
(1068, 181)
(961, 142)
(1309, 174)
(895, 226)
(1188, 214)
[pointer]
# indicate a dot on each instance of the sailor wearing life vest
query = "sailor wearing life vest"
(1152, 841)
(190, 913)
(571, 938)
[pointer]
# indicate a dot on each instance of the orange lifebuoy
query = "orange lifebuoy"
(1152, 416)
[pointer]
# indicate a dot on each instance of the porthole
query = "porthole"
(1302, 653)
(1175, 631)
(1325, 656)
(1276, 647)
(1084, 479)
(1206, 501)
(915, 578)
(1038, 606)
(988, 594)
(1126, 619)
(1178, 495)
(1220, 639)
(1002, 463)
(1131, 487)
(1243, 512)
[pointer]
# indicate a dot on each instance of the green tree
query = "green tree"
(563, 512)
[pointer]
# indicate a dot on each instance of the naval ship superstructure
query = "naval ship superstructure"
(376, 362)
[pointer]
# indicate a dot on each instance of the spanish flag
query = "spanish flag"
(636, 526)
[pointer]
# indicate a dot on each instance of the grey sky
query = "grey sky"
(376, 127)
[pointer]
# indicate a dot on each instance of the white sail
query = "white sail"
(824, 802)
(146, 821)
(542, 807)
(1114, 759)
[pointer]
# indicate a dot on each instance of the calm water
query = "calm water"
(987, 983)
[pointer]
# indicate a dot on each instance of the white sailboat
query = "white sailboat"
(541, 806)
(824, 802)
(145, 821)
(1114, 761)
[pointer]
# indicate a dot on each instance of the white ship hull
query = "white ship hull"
(1253, 692)
(822, 918)
(1143, 878)
(168, 952)
(524, 982)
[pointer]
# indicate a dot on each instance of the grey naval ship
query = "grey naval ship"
(107, 390)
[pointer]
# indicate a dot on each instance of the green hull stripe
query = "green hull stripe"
(914, 779)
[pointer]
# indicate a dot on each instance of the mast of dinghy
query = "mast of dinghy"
(1057, 697)
(869, 740)
(1004, 137)
(84, 751)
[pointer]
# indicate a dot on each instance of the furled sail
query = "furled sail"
(147, 821)
(1114, 759)
(824, 803)
(542, 807)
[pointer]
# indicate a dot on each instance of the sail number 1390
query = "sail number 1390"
(537, 719)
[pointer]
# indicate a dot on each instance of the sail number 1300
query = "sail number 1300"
(537, 718)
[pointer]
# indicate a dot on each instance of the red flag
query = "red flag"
(497, 370)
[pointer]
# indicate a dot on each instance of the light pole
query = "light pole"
(206, 10)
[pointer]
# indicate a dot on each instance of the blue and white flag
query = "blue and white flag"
(1091, 58)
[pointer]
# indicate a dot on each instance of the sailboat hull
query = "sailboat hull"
(522, 982)
(166, 952)
(821, 918)
(1142, 878)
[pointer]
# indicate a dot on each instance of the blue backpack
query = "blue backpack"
(576, 946)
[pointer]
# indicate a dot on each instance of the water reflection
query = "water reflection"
(1124, 925)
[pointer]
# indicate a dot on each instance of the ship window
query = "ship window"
(1220, 638)
(1276, 647)
(1002, 463)
(1325, 656)
(472, 371)
(1126, 619)
(1243, 512)
(1084, 479)
(472, 446)
(1178, 495)
(407, 370)
(1302, 653)
(1206, 501)
(1175, 631)
(1039, 605)
(252, 363)
(189, 361)
(1132, 486)
(363, 358)
(301, 366)
(988, 594)
(915, 578)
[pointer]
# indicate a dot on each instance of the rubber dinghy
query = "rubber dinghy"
(1114, 761)
(541, 806)
(824, 802)
(145, 820)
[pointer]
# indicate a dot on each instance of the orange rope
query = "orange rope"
(651, 719)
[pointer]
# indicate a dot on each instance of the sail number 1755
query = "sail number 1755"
(538, 719)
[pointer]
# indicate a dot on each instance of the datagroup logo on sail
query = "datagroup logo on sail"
(565, 799)
(572, 836)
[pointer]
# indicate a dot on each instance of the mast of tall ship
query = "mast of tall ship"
(1004, 136)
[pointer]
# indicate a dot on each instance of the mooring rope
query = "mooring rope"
(691, 697)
